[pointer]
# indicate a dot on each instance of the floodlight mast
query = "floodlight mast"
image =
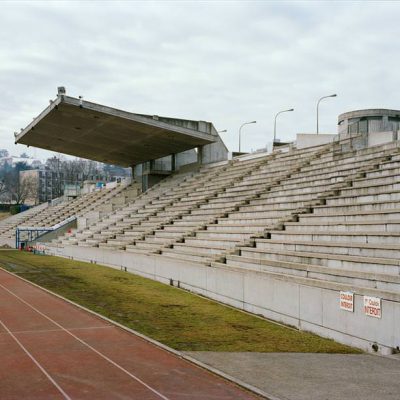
(323, 97)
(240, 130)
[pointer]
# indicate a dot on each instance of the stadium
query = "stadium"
(305, 234)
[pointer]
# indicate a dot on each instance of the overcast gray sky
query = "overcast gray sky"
(221, 61)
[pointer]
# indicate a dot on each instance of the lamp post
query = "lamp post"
(323, 97)
(222, 131)
(240, 129)
(280, 112)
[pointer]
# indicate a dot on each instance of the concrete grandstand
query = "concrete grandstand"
(305, 235)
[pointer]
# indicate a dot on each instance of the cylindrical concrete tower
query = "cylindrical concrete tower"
(369, 121)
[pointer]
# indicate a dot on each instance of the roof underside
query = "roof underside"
(105, 134)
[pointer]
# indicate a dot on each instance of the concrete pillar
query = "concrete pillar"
(385, 122)
(173, 162)
(200, 155)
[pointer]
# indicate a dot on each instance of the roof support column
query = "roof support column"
(200, 155)
(173, 162)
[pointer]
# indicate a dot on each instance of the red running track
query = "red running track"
(51, 349)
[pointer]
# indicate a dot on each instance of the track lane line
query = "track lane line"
(85, 344)
(48, 376)
(59, 330)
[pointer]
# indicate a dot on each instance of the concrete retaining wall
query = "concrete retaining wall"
(304, 140)
(306, 304)
(378, 138)
(48, 237)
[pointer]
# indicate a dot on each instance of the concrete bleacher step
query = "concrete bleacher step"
(134, 249)
(301, 189)
(227, 198)
(237, 235)
(182, 224)
(272, 213)
(329, 260)
(285, 204)
(343, 226)
(375, 250)
(364, 198)
(382, 215)
(369, 189)
(211, 207)
(122, 238)
(361, 279)
(382, 179)
(207, 251)
(345, 237)
(385, 169)
(167, 234)
(87, 244)
(231, 227)
(156, 240)
(112, 245)
(355, 207)
(185, 256)
(225, 242)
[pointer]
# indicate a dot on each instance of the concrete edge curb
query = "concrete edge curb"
(177, 353)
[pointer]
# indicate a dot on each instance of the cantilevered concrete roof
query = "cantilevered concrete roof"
(88, 130)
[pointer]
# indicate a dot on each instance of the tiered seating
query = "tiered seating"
(244, 209)
(316, 212)
(293, 195)
(48, 216)
(8, 225)
(199, 205)
(102, 229)
(145, 217)
(353, 238)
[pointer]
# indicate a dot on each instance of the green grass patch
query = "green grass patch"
(4, 214)
(174, 317)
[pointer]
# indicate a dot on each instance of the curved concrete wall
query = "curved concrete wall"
(369, 121)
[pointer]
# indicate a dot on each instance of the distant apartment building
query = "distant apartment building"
(45, 185)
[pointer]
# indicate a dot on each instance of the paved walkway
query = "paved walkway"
(289, 376)
(51, 349)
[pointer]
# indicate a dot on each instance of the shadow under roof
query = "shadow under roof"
(89, 130)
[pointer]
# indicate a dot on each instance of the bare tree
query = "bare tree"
(3, 187)
(24, 189)
(79, 170)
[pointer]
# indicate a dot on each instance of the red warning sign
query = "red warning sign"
(372, 307)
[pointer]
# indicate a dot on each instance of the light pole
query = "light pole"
(323, 97)
(240, 129)
(280, 112)
(222, 131)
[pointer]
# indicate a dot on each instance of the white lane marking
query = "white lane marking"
(58, 330)
(87, 345)
(35, 361)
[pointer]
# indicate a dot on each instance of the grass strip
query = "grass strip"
(177, 318)
(4, 215)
